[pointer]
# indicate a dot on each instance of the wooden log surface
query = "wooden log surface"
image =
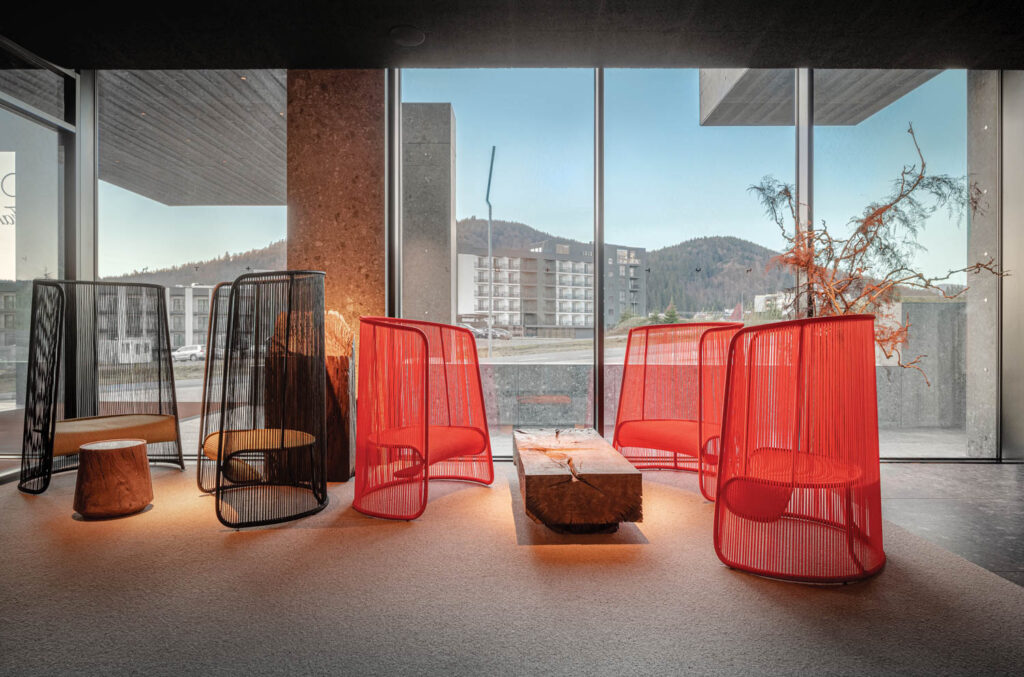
(113, 479)
(573, 480)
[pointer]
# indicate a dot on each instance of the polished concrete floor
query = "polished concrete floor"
(973, 510)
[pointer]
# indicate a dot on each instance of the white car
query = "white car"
(190, 353)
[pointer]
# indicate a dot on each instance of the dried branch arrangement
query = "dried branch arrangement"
(866, 271)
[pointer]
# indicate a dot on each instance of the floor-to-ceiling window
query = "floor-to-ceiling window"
(192, 170)
(685, 238)
(864, 157)
(686, 234)
(33, 138)
(536, 291)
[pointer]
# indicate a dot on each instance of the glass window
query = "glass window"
(536, 118)
(710, 259)
(869, 110)
(38, 87)
(192, 191)
(31, 232)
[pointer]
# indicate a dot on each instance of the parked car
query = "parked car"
(477, 331)
(503, 334)
(189, 353)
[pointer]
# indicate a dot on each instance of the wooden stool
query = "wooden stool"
(113, 479)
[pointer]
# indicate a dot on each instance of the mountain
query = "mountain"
(222, 269)
(711, 273)
(721, 281)
(471, 235)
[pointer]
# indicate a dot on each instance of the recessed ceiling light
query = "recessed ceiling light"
(243, 77)
(407, 36)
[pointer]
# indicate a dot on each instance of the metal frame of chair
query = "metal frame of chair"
(670, 404)
(262, 432)
(798, 485)
(99, 366)
(420, 415)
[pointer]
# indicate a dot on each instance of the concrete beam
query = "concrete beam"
(764, 97)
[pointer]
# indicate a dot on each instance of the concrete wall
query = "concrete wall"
(982, 323)
(428, 218)
(520, 394)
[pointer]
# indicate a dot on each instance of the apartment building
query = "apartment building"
(188, 310)
(548, 289)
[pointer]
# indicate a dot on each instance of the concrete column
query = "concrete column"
(1012, 400)
(336, 169)
(982, 359)
(428, 212)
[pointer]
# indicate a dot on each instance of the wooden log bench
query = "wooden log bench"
(573, 481)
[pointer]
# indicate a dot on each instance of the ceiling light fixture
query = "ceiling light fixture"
(407, 36)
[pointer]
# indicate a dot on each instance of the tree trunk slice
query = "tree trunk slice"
(113, 479)
(340, 457)
(573, 481)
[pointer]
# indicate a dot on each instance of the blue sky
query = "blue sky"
(667, 178)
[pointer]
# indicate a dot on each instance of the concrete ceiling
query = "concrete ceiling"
(210, 137)
(741, 96)
(584, 33)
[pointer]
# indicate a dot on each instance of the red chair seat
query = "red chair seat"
(782, 466)
(443, 442)
(763, 492)
(681, 437)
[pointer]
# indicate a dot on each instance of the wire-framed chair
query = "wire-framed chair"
(420, 414)
(262, 429)
(798, 486)
(99, 367)
(670, 405)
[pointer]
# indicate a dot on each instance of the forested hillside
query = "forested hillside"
(710, 273)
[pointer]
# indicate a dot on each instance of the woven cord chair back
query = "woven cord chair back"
(672, 386)
(420, 414)
(798, 492)
(96, 349)
(263, 424)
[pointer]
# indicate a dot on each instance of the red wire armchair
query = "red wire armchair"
(670, 407)
(419, 416)
(798, 485)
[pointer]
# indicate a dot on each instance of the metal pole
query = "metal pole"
(490, 259)
(599, 275)
(804, 118)
(393, 206)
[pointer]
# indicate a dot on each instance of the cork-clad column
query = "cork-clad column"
(336, 184)
(336, 208)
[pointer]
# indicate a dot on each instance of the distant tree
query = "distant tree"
(671, 315)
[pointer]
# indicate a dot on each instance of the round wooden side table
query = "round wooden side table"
(113, 479)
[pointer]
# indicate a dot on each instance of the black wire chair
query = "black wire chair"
(99, 368)
(262, 432)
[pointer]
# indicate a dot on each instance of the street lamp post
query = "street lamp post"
(490, 260)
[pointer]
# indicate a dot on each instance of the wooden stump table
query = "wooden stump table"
(113, 479)
(574, 481)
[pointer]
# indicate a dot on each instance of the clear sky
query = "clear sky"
(667, 178)
(136, 232)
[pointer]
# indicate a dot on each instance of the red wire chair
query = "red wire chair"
(420, 414)
(670, 406)
(798, 486)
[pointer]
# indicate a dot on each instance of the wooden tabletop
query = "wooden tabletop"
(573, 480)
